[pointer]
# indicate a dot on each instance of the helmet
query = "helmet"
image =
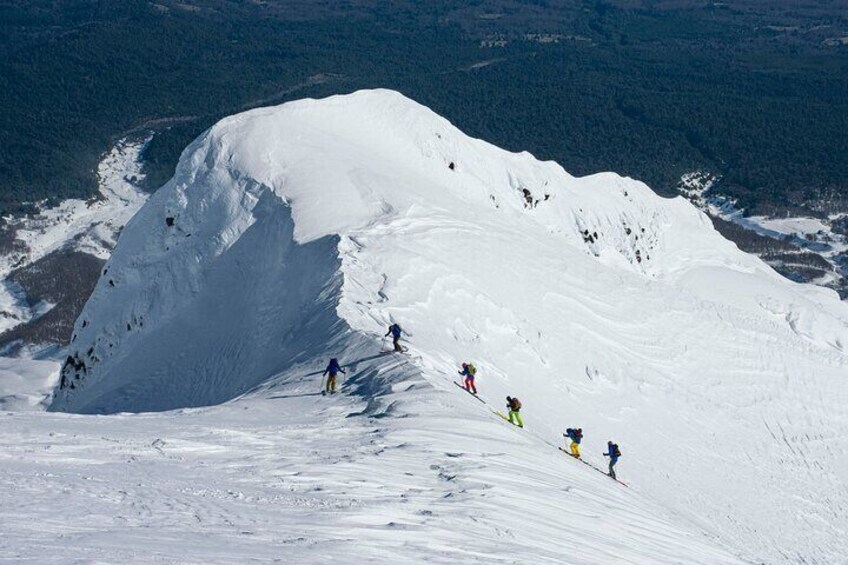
(464, 365)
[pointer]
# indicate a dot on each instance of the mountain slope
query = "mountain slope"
(285, 475)
(293, 233)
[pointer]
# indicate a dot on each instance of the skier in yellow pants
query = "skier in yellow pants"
(576, 436)
(333, 369)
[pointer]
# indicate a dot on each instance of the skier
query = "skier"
(514, 406)
(395, 332)
(613, 453)
(334, 369)
(469, 371)
(575, 435)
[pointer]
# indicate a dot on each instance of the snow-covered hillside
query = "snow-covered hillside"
(293, 233)
(89, 227)
(804, 249)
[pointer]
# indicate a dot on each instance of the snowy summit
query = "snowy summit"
(299, 233)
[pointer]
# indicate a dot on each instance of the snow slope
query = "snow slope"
(293, 233)
(286, 475)
(26, 384)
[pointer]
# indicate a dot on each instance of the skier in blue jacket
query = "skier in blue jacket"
(333, 369)
(613, 453)
(576, 436)
(395, 332)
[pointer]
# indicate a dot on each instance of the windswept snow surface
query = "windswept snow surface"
(289, 476)
(293, 233)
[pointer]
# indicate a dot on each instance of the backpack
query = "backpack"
(615, 450)
(515, 404)
(472, 370)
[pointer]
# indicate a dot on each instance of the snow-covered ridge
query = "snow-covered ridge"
(292, 233)
(337, 171)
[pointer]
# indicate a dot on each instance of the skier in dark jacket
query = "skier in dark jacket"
(576, 436)
(514, 406)
(613, 453)
(333, 369)
(395, 332)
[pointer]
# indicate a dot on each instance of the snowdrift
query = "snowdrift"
(26, 384)
(292, 233)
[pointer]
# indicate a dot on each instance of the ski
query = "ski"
(507, 419)
(469, 392)
(567, 452)
(592, 466)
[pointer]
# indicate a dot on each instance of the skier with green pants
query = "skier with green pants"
(514, 406)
